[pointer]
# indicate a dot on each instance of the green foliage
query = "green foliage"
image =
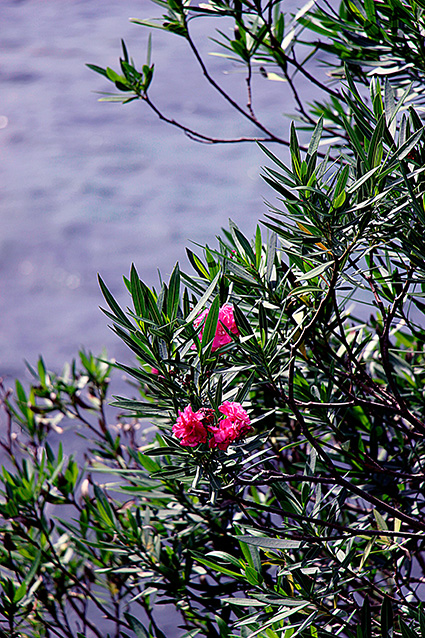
(312, 523)
(363, 41)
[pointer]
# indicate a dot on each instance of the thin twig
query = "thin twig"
(207, 139)
(249, 90)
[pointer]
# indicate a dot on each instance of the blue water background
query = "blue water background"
(88, 187)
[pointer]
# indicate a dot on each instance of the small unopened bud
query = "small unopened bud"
(85, 488)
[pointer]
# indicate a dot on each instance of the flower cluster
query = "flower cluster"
(193, 428)
(225, 320)
(189, 427)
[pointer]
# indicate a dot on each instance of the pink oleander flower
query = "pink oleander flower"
(237, 415)
(225, 318)
(193, 428)
(223, 435)
(189, 427)
(154, 371)
(232, 428)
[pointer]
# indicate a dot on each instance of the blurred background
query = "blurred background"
(89, 187)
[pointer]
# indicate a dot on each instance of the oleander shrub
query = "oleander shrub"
(265, 473)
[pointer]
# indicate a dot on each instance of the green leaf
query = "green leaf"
(137, 626)
(422, 623)
(174, 293)
(342, 182)
(219, 391)
(357, 10)
(20, 592)
(275, 159)
(113, 76)
(362, 180)
(213, 266)
(20, 392)
(262, 319)
(250, 553)
(253, 576)
(258, 247)
(315, 138)
(242, 322)
(354, 139)
(216, 566)
(380, 521)
(244, 602)
(366, 619)
(339, 200)
(244, 390)
(113, 305)
(406, 631)
(210, 326)
(376, 143)
(224, 627)
(387, 618)
(315, 272)
(97, 69)
(137, 292)
(138, 407)
(239, 272)
(271, 254)
(203, 300)
(295, 150)
(369, 6)
(34, 567)
(390, 107)
(172, 473)
(197, 264)
(145, 461)
(242, 243)
(265, 542)
(124, 51)
(405, 149)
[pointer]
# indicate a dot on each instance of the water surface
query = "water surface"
(89, 187)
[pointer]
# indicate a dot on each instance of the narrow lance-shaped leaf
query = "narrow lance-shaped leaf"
(258, 246)
(244, 390)
(315, 138)
(387, 618)
(241, 321)
(295, 151)
(137, 626)
(210, 326)
(174, 293)
(243, 244)
(271, 253)
(390, 107)
(265, 542)
(369, 6)
(137, 292)
(197, 264)
(315, 272)
(366, 619)
(203, 300)
(113, 305)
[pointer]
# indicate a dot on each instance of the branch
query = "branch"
(384, 341)
(324, 523)
(248, 115)
(207, 139)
